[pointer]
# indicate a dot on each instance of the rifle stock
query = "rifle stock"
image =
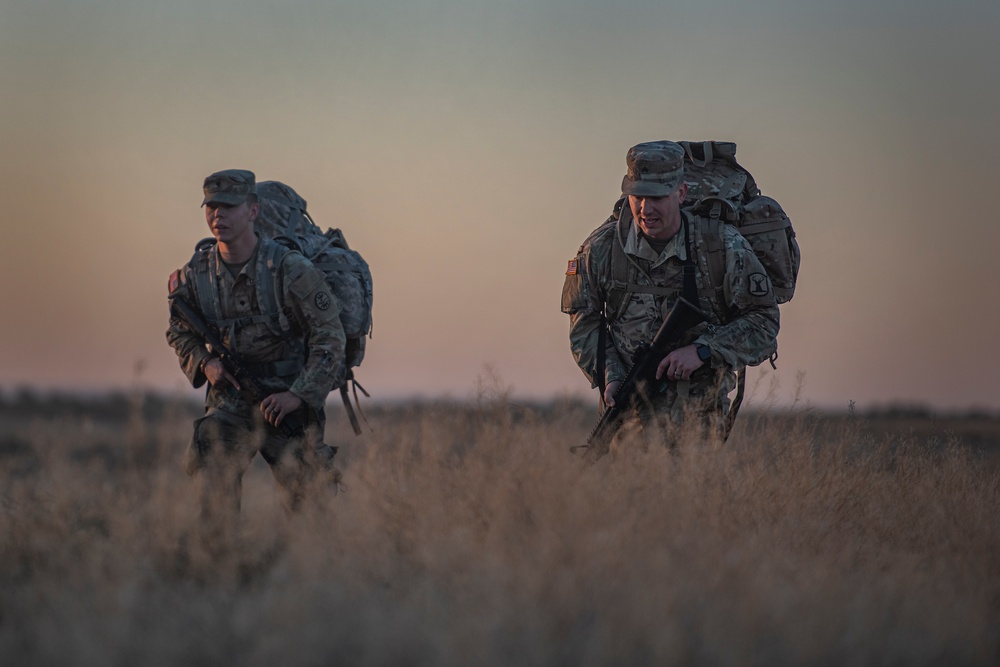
(250, 388)
(641, 379)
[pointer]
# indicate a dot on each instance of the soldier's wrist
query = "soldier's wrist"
(613, 377)
(706, 354)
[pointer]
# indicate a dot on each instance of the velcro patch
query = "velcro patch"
(306, 283)
(174, 281)
(573, 268)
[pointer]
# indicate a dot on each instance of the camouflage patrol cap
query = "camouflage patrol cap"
(229, 187)
(655, 169)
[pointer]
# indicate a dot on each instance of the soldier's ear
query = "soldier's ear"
(683, 190)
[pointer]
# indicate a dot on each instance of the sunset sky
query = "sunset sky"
(467, 147)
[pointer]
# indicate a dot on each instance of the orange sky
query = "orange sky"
(467, 148)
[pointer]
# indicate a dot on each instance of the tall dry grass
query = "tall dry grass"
(469, 535)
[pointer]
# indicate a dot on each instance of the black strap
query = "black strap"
(350, 411)
(347, 402)
(741, 378)
(280, 368)
(602, 341)
(690, 288)
(632, 288)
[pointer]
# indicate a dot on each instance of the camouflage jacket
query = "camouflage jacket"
(742, 324)
(295, 343)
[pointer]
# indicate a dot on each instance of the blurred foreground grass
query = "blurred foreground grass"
(469, 535)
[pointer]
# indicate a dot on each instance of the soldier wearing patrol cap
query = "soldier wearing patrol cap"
(628, 274)
(271, 306)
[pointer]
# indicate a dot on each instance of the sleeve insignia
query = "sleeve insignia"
(322, 300)
(759, 284)
(572, 268)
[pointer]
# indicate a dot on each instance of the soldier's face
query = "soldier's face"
(659, 218)
(230, 223)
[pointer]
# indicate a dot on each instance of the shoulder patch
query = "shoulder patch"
(573, 268)
(322, 300)
(759, 285)
(174, 281)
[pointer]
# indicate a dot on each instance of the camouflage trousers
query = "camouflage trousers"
(222, 448)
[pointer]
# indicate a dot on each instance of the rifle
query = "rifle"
(250, 389)
(641, 383)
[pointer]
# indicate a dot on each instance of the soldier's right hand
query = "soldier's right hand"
(609, 392)
(217, 375)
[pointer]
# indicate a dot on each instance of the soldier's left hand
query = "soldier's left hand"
(679, 364)
(277, 406)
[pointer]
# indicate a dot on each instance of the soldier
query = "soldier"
(275, 309)
(631, 270)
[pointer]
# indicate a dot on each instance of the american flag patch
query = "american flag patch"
(571, 270)
(174, 282)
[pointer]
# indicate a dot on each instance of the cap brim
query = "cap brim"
(227, 198)
(648, 188)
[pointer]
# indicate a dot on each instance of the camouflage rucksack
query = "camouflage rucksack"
(721, 189)
(283, 215)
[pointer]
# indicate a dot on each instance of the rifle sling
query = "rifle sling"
(690, 288)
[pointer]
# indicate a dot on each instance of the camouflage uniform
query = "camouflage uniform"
(299, 346)
(308, 361)
(742, 314)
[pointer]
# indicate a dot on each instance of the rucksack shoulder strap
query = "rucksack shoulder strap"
(710, 231)
(269, 260)
(205, 266)
(715, 247)
(620, 270)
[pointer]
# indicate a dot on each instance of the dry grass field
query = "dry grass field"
(468, 535)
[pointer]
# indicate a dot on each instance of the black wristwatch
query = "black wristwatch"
(704, 352)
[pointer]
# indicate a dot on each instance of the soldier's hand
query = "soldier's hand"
(277, 406)
(679, 364)
(609, 392)
(217, 375)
